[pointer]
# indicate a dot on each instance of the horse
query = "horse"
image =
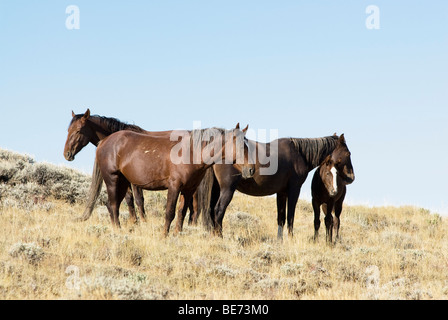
(152, 162)
(328, 190)
(295, 157)
(85, 128)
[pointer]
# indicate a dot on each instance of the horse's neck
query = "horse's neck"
(322, 157)
(218, 154)
(314, 151)
(100, 131)
(199, 140)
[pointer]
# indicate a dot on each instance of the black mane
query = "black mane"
(112, 124)
(314, 150)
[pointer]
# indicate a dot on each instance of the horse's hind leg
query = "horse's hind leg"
(138, 195)
(170, 212)
(184, 205)
(225, 197)
(214, 197)
(117, 186)
(194, 210)
(293, 196)
(281, 214)
(130, 202)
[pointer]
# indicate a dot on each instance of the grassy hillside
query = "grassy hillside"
(384, 253)
(25, 183)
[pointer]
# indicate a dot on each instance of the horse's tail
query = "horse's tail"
(204, 198)
(94, 192)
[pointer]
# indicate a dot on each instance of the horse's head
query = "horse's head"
(342, 161)
(79, 135)
(242, 156)
(328, 174)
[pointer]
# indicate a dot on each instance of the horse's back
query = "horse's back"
(128, 141)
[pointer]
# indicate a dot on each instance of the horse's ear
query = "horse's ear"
(335, 135)
(328, 160)
(245, 129)
(87, 114)
(73, 114)
(237, 126)
(342, 138)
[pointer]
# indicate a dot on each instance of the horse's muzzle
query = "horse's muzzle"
(349, 178)
(247, 173)
(69, 156)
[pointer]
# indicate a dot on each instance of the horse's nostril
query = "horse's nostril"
(68, 156)
(350, 178)
(247, 172)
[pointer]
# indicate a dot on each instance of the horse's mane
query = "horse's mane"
(314, 150)
(112, 124)
(198, 136)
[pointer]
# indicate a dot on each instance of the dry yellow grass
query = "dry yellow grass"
(384, 253)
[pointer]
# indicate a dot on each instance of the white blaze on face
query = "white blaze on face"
(334, 173)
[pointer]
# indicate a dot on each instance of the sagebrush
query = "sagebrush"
(384, 252)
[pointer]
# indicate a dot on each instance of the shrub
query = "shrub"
(30, 251)
(24, 181)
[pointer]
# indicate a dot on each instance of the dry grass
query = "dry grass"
(384, 253)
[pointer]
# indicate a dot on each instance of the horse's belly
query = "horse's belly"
(256, 188)
(154, 186)
(148, 174)
(146, 181)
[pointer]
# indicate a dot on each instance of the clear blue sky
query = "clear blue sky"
(306, 68)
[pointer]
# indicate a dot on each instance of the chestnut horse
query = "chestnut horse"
(328, 190)
(152, 162)
(85, 128)
(295, 159)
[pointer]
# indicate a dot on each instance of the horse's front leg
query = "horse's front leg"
(329, 221)
(316, 209)
(337, 215)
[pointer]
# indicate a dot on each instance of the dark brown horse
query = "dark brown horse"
(294, 158)
(163, 162)
(85, 128)
(328, 190)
